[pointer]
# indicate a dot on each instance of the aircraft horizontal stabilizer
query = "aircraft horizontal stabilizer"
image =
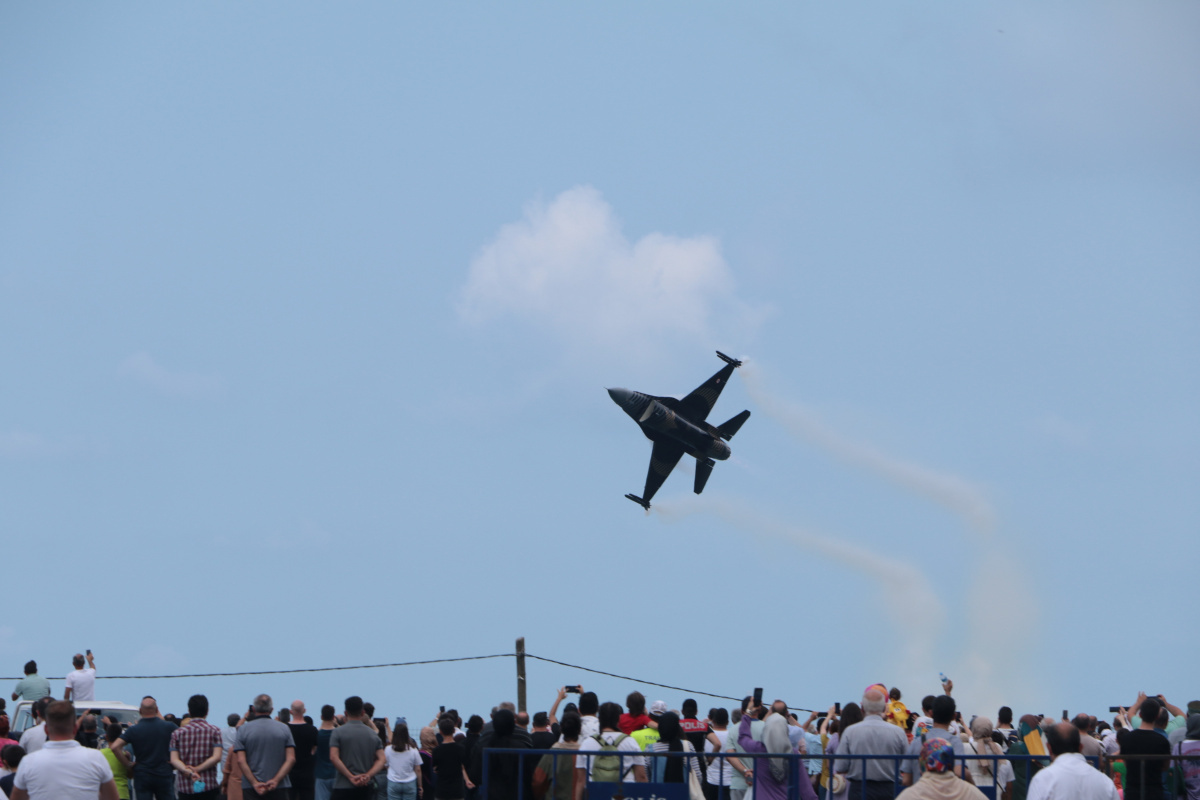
(728, 359)
(643, 503)
(703, 470)
(728, 429)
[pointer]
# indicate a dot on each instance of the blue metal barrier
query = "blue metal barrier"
(1023, 766)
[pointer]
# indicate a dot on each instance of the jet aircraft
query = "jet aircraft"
(678, 426)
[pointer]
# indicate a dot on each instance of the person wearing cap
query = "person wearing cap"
(1069, 775)
(938, 781)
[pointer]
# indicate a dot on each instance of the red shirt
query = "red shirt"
(628, 724)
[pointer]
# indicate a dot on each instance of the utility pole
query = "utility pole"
(521, 674)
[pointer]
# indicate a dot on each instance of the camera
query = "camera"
(571, 689)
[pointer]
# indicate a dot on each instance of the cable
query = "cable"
(407, 664)
(635, 680)
(286, 671)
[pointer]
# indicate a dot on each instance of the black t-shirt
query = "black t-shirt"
(305, 736)
(1142, 742)
(543, 740)
(151, 741)
(448, 761)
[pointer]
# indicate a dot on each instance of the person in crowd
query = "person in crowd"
(403, 765)
(428, 743)
(943, 711)
(554, 775)
(122, 774)
(34, 738)
(741, 775)
(1143, 777)
(589, 706)
(1089, 746)
(938, 781)
(62, 769)
(10, 757)
(897, 712)
(542, 737)
(871, 736)
(450, 764)
(1180, 733)
(357, 754)
(1028, 742)
(648, 735)
(85, 731)
(1069, 774)
(304, 736)
(503, 769)
(993, 777)
(324, 773)
(474, 730)
(772, 775)
(195, 752)
(635, 718)
(32, 686)
(627, 766)
(694, 730)
(719, 770)
(81, 682)
(671, 739)
(150, 739)
(1189, 769)
(265, 753)
(925, 720)
(284, 716)
(1004, 718)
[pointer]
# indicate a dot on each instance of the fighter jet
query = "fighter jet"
(678, 426)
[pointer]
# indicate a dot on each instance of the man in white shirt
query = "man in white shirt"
(63, 769)
(630, 759)
(81, 684)
(33, 739)
(1069, 776)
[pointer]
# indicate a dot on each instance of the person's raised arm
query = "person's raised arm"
(1133, 709)
(91, 660)
(562, 694)
(745, 738)
(1176, 711)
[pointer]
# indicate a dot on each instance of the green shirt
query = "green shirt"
(32, 687)
(119, 775)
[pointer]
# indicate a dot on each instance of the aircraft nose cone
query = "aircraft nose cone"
(620, 396)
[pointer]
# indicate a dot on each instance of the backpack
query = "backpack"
(607, 768)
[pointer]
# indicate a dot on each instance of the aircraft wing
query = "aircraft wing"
(663, 459)
(697, 405)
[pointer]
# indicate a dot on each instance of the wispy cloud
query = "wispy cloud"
(568, 269)
(143, 369)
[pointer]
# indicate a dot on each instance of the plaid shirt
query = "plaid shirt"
(195, 742)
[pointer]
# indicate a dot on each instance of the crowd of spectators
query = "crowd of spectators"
(872, 749)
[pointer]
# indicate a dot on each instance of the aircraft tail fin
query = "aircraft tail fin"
(729, 428)
(729, 359)
(643, 503)
(703, 470)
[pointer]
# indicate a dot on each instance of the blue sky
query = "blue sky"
(307, 314)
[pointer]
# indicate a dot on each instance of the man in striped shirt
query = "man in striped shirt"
(195, 752)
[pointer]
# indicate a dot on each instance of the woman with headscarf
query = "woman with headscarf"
(938, 781)
(771, 778)
(1190, 769)
(992, 777)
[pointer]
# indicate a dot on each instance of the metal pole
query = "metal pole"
(521, 674)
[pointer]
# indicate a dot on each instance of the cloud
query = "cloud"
(950, 491)
(568, 269)
(148, 372)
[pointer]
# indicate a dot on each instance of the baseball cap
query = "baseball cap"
(658, 708)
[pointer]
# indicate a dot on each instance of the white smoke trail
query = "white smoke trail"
(1000, 608)
(914, 608)
(949, 491)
